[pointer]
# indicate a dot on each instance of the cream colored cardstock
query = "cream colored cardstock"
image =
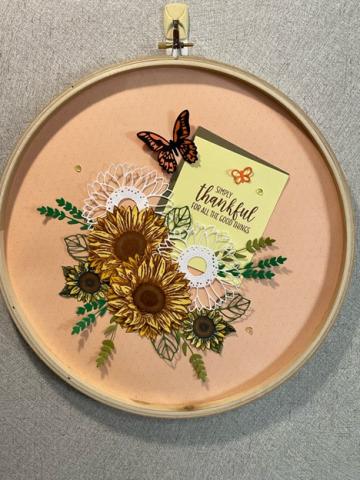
(228, 188)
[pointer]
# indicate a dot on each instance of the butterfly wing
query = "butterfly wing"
(167, 160)
(158, 144)
(154, 141)
(187, 147)
(181, 127)
(188, 150)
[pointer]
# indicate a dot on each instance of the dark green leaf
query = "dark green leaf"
(177, 336)
(65, 292)
(217, 348)
(229, 329)
(88, 307)
(273, 261)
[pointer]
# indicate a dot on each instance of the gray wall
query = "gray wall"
(309, 427)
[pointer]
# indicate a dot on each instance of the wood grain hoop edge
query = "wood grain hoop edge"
(229, 402)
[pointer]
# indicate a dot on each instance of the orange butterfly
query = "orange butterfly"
(179, 144)
(242, 176)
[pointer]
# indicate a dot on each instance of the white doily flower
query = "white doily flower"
(124, 183)
(197, 258)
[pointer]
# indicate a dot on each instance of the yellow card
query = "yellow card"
(228, 188)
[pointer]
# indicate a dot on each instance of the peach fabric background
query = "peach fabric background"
(98, 128)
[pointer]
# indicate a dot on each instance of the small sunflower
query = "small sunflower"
(121, 235)
(206, 329)
(83, 283)
(149, 296)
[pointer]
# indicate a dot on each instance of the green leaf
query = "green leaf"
(249, 247)
(258, 244)
(60, 202)
(101, 302)
(110, 329)
(217, 348)
(77, 247)
(109, 343)
(198, 365)
(177, 336)
(269, 241)
(229, 329)
(184, 348)
(239, 255)
(178, 221)
(106, 350)
(42, 210)
(88, 307)
(65, 292)
(80, 311)
(247, 273)
(221, 274)
(72, 221)
(166, 346)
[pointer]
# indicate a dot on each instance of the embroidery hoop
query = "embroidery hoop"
(234, 397)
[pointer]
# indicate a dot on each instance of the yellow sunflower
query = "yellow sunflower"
(206, 329)
(149, 296)
(83, 283)
(121, 235)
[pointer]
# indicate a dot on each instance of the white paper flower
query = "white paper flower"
(124, 183)
(196, 255)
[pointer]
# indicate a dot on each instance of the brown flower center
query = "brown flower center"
(89, 282)
(204, 327)
(149, 298)
(129, 244)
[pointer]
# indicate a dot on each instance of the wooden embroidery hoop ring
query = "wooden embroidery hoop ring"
(230, 402)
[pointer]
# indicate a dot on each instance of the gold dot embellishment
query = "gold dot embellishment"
(260, 191)
(249, 330)
(77, 168)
